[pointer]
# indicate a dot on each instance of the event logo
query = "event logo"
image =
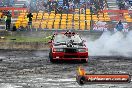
(83, 77)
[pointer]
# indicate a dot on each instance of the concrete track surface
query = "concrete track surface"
(32, 69)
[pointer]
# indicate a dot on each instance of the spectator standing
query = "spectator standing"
(130, 2)
(65, 2)
(71, 7)
(29, 16)
(121, 5)
(119, 26)
(101, 4)
(8, 20)
(24, 6)
(60, 10)
(65, 9)
(49, 5)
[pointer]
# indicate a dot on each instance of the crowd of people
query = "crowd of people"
(69, 6)
(7, 3)
(124, 4)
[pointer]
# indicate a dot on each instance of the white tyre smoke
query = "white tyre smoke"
(117, 44)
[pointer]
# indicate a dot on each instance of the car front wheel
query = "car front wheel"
(50, 56)
(81, 80)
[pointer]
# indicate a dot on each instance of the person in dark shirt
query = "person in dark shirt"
(8, 20)
(14, 28)
(30, 19)
(119, 26)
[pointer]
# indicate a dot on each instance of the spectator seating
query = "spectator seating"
(0, 14)
(64, 21)
(127, 17)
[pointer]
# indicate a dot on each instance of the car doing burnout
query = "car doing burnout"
(67, 46)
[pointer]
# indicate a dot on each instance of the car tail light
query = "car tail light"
(82, 50)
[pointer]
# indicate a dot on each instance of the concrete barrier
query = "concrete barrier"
(24, 45)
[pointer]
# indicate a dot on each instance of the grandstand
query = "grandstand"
(76, 20)
(20, 3)
(65, 21)
(112, 4)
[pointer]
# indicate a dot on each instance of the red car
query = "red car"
(67, 46)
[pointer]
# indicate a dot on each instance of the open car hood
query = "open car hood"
(73, 46)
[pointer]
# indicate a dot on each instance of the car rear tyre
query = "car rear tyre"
(51, 60)
(84, 61)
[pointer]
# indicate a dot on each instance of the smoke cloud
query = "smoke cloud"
(111, 44)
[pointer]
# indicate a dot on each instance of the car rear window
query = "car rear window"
(76, 38)
(63, 38)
